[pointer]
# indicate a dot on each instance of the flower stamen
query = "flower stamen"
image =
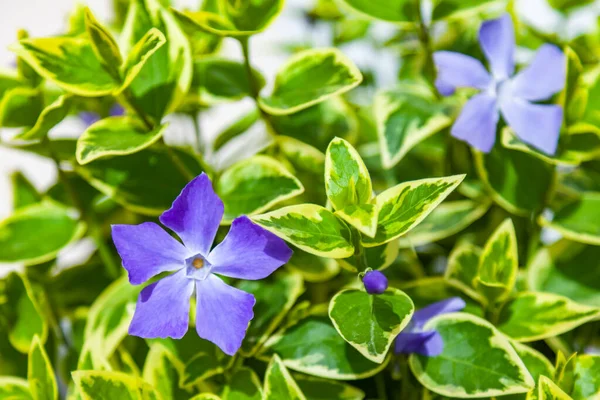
(198, 263)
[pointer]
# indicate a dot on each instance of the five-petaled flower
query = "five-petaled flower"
(413, 339)
(535, 124)
(222, 311)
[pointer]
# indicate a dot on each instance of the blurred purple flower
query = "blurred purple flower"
(501, 92)
(91, 117)
(375, 282)
(413, 339)
(222, 311)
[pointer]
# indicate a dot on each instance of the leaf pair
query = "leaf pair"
(394, 212)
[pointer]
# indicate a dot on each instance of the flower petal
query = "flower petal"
(535, 124)
(249, 252)
(497, 40)
(195, 215)
(477, 122)
(147, 250)
(163, 308)
(455, 70)
(223, 313)
(427, 343)
(542, 78)
(453, 304)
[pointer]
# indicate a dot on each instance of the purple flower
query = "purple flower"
(91, 117)
(375, 282)
(413, 339)
(501, 92)
(222, 311)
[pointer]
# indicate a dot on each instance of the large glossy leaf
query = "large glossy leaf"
(98, 385)
(235, 18)
(40, 373)
(586, 376)
(314, 347)
(404, 206)
(447, 219)
(14, 388)
(23, 313)
(274, 298)
(218, 80)
(279, 383)
(255, 185)
(517, 181)
(569, 269)
(36, 233)
(477, 360)
(499, 263)
(146, 182)
(533, 316)
(308, 78)
(20, 107)
(370, 323)
(405, 117)
(312, 228)
(577, 220)
(161, 84)
(115, 136)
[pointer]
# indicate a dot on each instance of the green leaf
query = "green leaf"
(314, 347)
(533, 316)
(499, 263)
(104, 45)
(518, 182)
(40, 373)
(446, 220)
(107, 323)
(200, 367)
(576, 220)
(461, 8)
(243, 385)
(386, 10)
(20, 107)
(139, 54)
(405, 117)
(548, 390)
(9, 80)
(312, 228)
(23, 314)
(323, 389)
(103, 385)
(274, 298)
(370, 323)
(48, 119)
(13, 388)
(219, 80)
(568, 269)
(427, 290)
(463, 268)
(160, 85)
(279, 384)
(313, 268)
(362, 216)
(235, 18)
(477, 360)
(23, 191)
(404, 206)
(52, 225)
(236, 129)
(309, 78)
(347, 179)
(255, 185)
(162, 370)
(115, 136)
(537, 364)
(145, 182)
(379, 257)
(70, 62)
(587, 377)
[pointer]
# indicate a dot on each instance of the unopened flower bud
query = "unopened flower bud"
(375, 282)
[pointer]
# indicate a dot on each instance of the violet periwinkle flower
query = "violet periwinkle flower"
(413, 339)
(503, 93)
(91, 117)
(375, 282)
(222, 311)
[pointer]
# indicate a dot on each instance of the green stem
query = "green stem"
(87, 215)
(181, 167)
(360, 256)
(254, 89)
(197, 131)
(425, 39)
